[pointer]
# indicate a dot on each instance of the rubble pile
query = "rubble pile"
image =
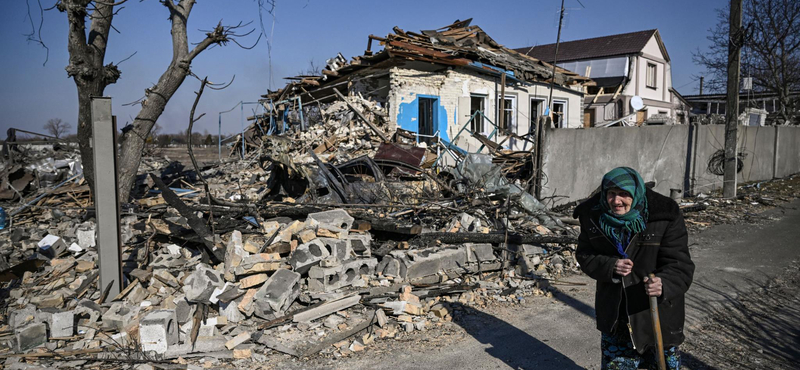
(707, 209)
(337, 137)
(43, 167)
(237, 274)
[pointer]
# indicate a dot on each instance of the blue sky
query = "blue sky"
(303, 30)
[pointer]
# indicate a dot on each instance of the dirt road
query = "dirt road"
(558, 332)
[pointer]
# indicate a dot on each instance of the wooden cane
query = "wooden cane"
(662, 365)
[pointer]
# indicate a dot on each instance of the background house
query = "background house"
(623, 66)
(756, 108)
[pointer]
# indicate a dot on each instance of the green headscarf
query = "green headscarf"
(634, 221)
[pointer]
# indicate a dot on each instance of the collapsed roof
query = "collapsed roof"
(458, 44)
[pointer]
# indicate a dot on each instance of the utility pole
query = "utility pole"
(735, 40)
(701, 84)
(555, 60)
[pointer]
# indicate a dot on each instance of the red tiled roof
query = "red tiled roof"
(598, 47)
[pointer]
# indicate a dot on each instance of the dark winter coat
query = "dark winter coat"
(662, 248)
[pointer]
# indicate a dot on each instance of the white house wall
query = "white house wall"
(453, 88)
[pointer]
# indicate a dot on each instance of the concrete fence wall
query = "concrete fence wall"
(675, 157)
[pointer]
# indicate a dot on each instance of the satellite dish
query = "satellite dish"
(636, 103)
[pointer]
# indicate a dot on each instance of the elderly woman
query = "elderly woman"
(627, 233)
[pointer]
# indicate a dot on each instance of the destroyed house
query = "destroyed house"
(622, 66)
(442, 86)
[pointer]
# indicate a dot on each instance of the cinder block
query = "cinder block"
(158, 331)
(31, 336)
(352, 270)
(277, 294)
(360, 244)
(389, 266)
(324, 279)
(119, 315)
(307, 255)
(335, 219)
(338, 248)
(200, 285)
(427, 262)
(52, 246)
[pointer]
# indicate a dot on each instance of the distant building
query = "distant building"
(622, 66)
(760, 107)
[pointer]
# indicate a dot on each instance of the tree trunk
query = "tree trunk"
(133, 140)
(86, 58)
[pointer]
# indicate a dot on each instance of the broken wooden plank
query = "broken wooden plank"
(496, 238)
(275, 345)
(333, 338)
(327, 308)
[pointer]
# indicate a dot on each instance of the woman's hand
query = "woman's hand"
(652, 286)
(623, 267)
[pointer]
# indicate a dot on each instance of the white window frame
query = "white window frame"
(512, 126)
(565, 116)
(651, 79)
(483, 121)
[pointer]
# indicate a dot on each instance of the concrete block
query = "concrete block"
(324, 279)
(338, 248)
(208, 329)
(21, 317)
(158, 331)
(307, 255)
(426, 262)
(86, 238)
(184, 311)
(352, 270)
(62, 324)
(335, 219)
(389, 266)
(530, 250)
(200, 285)
(119, 315)
(277, 293)
(230, 311)
(52, 246)
(482, 252)
(360, 244)
(234, 253)
(31, 336)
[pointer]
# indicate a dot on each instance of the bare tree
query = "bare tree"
(770, 51)
(57, 127)
(312, 70)
(86, 67)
